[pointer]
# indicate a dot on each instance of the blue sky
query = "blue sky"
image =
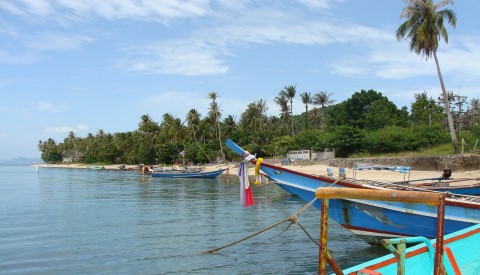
(68, 65)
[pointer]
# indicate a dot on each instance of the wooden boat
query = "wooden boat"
(439, 184)
(460, 256)
(186, 174)
(444, 255)
(470, 189)
(372, 220)
(96, 167)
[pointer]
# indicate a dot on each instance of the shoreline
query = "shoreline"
(473, 176)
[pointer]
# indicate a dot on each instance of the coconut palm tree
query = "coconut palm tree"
(193, 121)
(323, 99)
(424, 26)
(229, 125)
(306, 99)
(289, 92)
(282, 101)
(147, 125)
(215, 112)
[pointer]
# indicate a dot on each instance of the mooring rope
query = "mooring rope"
(292, 219)
(335, 182)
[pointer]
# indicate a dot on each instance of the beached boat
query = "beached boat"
(372, 220)
(186, 173)
(470, 189)
(96, 167)
(459, 257)
(461, 186)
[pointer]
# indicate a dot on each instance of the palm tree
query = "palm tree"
(306, 99)
(147, 125)
(289, 92)
(282, 101)
(193, 120)
(229, 125)
(424, 27)
(323, 99)
(214, 110)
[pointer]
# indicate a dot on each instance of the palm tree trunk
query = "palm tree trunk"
(447, 107)
(199, 147)
(220, 140)
(306, 117)
(291, 114)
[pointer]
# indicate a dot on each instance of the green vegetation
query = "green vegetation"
(424, 27)
(364, 125)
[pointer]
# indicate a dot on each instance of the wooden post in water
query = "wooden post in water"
(326, 193)
(322, 248)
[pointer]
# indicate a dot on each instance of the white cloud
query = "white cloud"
(109, 9)
(316, 4)
(67, 129)
(347, 67)
(203, 51)
(39, 7)
(176, 57)
(50, 107)
(56, 41)
(31, 49)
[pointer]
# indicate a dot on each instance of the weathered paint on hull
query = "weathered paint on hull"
(459, 256)
(374, 221)
(371, 220)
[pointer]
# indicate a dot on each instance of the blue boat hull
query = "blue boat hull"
(181, 174)
(469, 190)
(372, 220)
(459, 256)
(375, 220)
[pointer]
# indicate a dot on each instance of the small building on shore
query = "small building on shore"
(328, 153)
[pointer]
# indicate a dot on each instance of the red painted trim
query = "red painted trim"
(373, 230)
(369, 272)
(353, 185)
(462, 236)
(452, 259)
(425, 249)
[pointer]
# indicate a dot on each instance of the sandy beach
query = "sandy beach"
(473, 176)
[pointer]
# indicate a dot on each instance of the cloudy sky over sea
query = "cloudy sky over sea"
(81, 66)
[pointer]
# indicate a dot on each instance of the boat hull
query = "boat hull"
(182, 174)
(376, 220)
(470, 190)
(459, 257)
(372, 220)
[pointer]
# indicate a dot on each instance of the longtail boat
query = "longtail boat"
(373, 220)
(444, 183)
(186, 174)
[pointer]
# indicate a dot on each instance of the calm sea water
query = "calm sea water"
(75, 221)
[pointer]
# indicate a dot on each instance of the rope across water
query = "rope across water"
(293, 220)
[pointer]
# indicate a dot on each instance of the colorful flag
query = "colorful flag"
(246, 196)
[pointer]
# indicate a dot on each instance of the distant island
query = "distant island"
(20, 161)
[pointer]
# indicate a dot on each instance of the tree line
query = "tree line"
(366, 123)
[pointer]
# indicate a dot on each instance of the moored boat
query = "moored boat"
(459, 256)
(444, 183)
(96, 167)
(470, 189)
(187, 174)
(374, 220)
